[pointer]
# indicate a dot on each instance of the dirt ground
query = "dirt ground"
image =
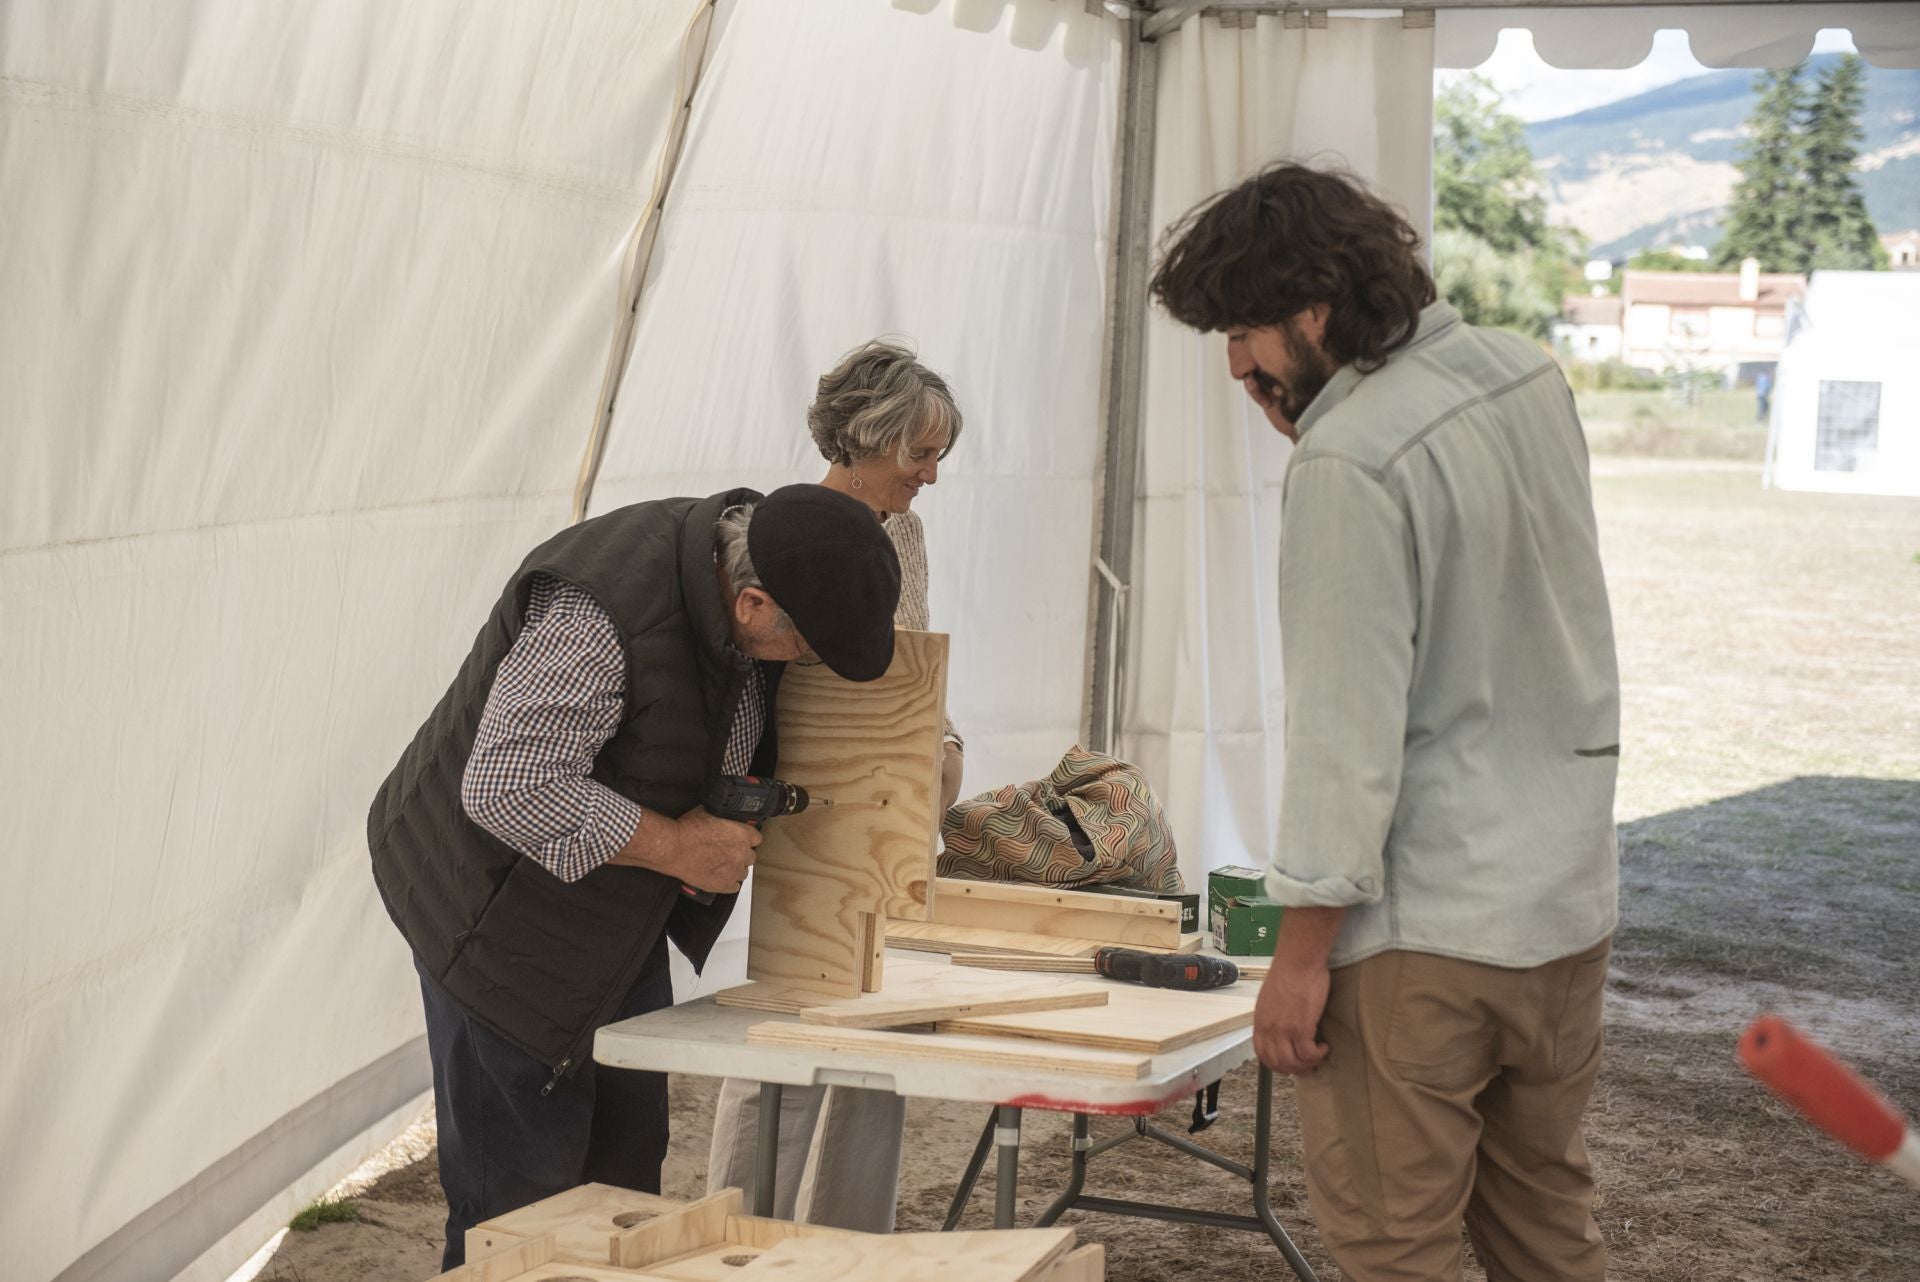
(1770, 847)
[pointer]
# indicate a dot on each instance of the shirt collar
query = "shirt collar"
(1435, 319)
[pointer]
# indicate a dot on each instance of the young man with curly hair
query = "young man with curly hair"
(1446, 853)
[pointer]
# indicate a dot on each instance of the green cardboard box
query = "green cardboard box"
(1244, 922)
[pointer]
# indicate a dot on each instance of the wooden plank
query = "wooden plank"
(908, 978)
(874, 1011)
(695, 1225)
(1069, 965)
(1144, 1021)
(1013, 1052)
(580, 1220)
(938, 937)
(1033, 895)
(934, 937)
(1051, 910)
(874, 749)
(1082, 1264)
(986, 1255)
(511, 1261)
(873, 929)
(761, 1232)
(711, 1264)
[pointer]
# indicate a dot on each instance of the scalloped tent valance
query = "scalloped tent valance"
(1721, 35)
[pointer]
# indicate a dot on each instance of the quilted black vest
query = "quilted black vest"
(540, 961)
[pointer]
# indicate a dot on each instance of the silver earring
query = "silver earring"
(856, 482)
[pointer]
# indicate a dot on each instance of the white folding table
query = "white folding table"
(706, 1039)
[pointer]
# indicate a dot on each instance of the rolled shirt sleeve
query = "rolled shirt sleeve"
(557, 698)
(1349, 604)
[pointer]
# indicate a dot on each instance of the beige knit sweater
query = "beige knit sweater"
(910, 543)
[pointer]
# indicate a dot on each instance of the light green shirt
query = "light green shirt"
(1453, 703)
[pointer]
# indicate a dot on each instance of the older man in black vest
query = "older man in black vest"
(535, 842)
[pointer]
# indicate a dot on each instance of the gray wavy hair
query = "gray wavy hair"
(879, 399)
(735, 562)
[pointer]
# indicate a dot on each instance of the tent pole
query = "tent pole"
(1126, 374)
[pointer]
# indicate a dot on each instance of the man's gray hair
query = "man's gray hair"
(735, 561)
(877, 400)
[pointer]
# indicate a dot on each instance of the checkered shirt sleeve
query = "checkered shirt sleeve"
(557, 698)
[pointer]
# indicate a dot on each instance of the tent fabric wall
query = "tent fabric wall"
(306, 309)
(867, 206)
(1204, 714)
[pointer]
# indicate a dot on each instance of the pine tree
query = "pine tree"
(1837, 231)
(1765, 222)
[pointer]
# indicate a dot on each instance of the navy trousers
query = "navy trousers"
(503, 1144)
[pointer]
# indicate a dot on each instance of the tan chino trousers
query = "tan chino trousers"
(1455, 1091)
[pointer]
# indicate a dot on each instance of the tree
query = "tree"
(1495, 256)
(1492, 288)
(1484, 180)
(1837, 231)
(1767, 201)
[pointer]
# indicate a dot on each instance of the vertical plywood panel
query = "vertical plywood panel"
(873, 749)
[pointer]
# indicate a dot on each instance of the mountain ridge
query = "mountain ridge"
(1659, 165)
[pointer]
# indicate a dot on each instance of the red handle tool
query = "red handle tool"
(1831, 1095)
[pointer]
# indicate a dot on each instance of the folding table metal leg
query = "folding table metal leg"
(1007, 1178)
(1076, 1181)
(766, 1158)
(1262, 1153)
(972, 1173)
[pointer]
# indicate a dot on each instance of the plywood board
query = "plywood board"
(1146, 1021)
(697, 1224)
(937, 937)
(710, 1264)
(988, 1255)
(581, 1220)
(875, 1011)
(509, 1262)
(1049, 910)
(874, 749)
(907, 979)
(996, 1050)
(1082, 1264)
(761, 1232)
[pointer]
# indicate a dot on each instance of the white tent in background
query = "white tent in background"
(313, 309)
(1846, 400)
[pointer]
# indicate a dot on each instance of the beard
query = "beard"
(1312, 368)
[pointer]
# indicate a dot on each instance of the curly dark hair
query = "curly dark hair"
(1287, 238)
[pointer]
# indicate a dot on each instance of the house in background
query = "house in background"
(1732, 323)
(1846, 402)
(1588, 328)
(1903, 249)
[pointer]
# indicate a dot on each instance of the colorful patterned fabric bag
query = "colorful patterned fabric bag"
(1093, 821)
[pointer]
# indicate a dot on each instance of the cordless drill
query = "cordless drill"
(749, 799)
(1189, 972)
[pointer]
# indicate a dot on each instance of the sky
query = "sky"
(1536, 91)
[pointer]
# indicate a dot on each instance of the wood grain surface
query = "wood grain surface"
(1007, 1255)
(873, 749)
(1139, 1020)
(1047, 910)
(1017, 1052)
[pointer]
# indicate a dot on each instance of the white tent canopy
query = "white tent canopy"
(1846, 401)
(309, 311)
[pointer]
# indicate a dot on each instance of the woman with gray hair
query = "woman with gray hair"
(884, 422)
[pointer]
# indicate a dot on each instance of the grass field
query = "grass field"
(1770, 842)
(1721, 424)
